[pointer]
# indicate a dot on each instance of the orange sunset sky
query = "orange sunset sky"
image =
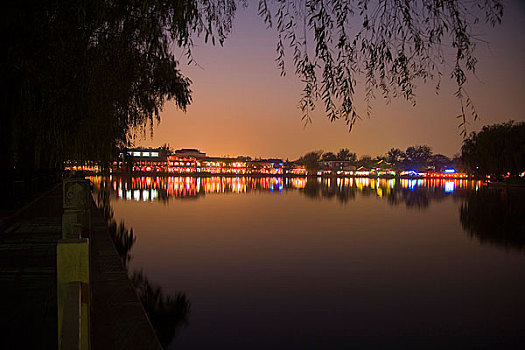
(242, 106)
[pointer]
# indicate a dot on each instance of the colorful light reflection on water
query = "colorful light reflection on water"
(330, 263)
(161, 188)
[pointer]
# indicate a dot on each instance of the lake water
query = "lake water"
(273, 263)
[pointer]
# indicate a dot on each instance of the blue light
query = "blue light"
(450, 171)
(449, 186)
(412, 184)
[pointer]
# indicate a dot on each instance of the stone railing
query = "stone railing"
(73, 266)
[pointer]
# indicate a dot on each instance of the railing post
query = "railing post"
(76, 204)
(73, 266)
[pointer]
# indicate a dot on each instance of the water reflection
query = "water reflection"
(341, 189)
(495, 216)
(122, 237)
(167, 313)
(491, 215)
(412, 192)
(256, 263)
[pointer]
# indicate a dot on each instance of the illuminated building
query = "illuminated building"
(87, 166)
(291, 168)
(219, 165)
(177, 164)
(448, 173)
(148, 159)
(266, 166)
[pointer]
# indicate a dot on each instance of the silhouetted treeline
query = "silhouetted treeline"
(417, 157)
(496, 150)
(420, 158)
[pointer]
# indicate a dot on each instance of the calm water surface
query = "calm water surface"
(276, 263)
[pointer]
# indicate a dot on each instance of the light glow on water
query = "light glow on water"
(255, 265)
(173, 187)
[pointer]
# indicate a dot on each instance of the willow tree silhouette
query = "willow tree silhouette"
(82, 77)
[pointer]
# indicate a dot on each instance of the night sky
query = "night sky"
(242, 106)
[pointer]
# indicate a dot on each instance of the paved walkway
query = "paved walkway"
(28, 305)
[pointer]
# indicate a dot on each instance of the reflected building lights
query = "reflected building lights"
(298, 182)
(162, 188)
(391, 183)
(449, 186)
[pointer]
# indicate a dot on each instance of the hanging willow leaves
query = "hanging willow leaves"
(393, 44)
(82, 76)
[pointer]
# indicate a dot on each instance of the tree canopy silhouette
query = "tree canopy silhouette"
(310, 160)
(346, 154)
(496, 150)
(418, 157)
(81, 76)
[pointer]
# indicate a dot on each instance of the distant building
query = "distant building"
(291, 168)
(218, 165)
(178, 164)
(148, 159)
(189, 153)
(266, 166)
(206, 165)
